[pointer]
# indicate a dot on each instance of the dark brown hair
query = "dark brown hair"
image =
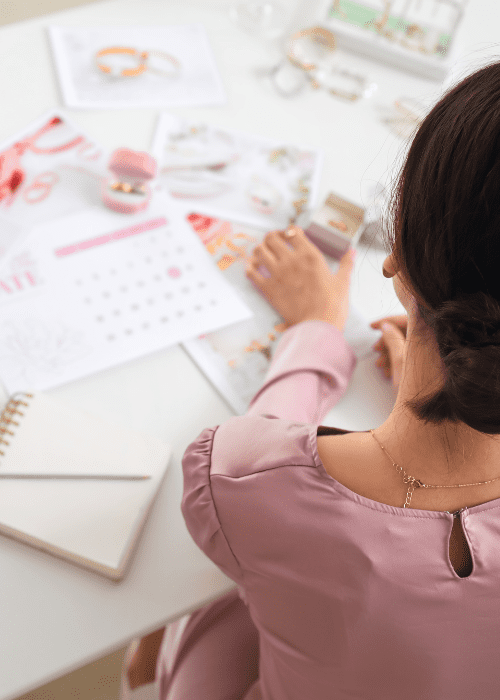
(444, 233)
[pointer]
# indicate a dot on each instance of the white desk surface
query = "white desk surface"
(55, 617)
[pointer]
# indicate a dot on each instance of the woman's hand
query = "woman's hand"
(300, 285)
(141, 668)
(391, 345)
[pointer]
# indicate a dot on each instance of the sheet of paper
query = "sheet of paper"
(236, 359)
(47, 170)
(178, 66)
(243, 177)
(96, 289)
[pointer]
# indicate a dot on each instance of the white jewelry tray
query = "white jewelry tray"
(371, 45)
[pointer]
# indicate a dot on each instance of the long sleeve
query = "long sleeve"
(309, 373)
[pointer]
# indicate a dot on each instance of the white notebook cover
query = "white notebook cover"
(93, 523)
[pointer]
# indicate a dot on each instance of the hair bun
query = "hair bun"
(472, 321)
(467, 331)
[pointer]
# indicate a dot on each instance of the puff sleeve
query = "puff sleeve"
(198, 507)
(309, 373)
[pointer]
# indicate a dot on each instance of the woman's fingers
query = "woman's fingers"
(256, 274)
(277, 243)
(401, 321)
(265, 256)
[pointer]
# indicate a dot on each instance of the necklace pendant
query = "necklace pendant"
(411, 480)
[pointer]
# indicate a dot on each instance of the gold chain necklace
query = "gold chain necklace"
(416, 483)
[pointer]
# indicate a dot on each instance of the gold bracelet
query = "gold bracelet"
(126, 72)
(326, 39)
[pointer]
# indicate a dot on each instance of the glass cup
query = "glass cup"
(263, 18)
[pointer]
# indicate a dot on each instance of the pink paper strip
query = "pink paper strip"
(107, 238)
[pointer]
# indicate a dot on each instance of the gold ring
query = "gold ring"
(126, 72)
(166, 57)
(126, 187)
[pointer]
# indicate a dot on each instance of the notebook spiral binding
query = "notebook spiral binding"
(6, 416)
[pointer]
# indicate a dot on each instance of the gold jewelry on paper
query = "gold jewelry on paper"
(126, 72)
(126, 187)
(416, 483)
(300, 203)
(276, 157)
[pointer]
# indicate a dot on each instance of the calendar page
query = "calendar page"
(95, 289)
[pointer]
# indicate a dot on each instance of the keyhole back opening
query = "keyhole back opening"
(460, 555)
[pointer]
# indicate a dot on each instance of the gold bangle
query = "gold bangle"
(126, 72)
(318, 35)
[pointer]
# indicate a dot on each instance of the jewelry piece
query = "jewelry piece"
(278, 157)
(40, 188)
(300, 204)
(366, 90)
(166, 57)
(323, 42)
(199, 148)
(287, 79)
(290, 232)
(416, 483)
(337, 224)
(264, 197)
(12, 171)
(321, 39)
(126, 187)
(284, 158)
(126, 72)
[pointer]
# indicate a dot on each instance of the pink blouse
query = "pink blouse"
(353, 599)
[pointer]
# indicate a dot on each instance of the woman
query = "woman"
(354, 579)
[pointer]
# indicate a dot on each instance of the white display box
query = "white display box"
(370, 44)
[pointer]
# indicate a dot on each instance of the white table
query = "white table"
(55, 617)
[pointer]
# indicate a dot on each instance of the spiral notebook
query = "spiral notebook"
(75, 486)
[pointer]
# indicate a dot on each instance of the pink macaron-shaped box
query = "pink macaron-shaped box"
(127, 190)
